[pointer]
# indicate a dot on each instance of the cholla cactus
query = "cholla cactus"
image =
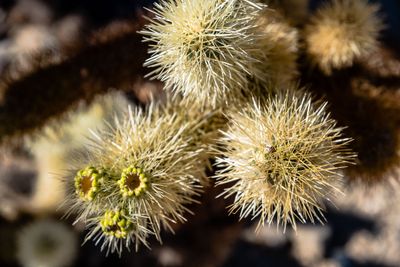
(283, 157)
(204, 48)
(279, 155)
(341, 32)
(141, 173)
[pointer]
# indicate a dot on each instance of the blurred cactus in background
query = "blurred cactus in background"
(47, 243)
(192, 127)
(341, 32)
